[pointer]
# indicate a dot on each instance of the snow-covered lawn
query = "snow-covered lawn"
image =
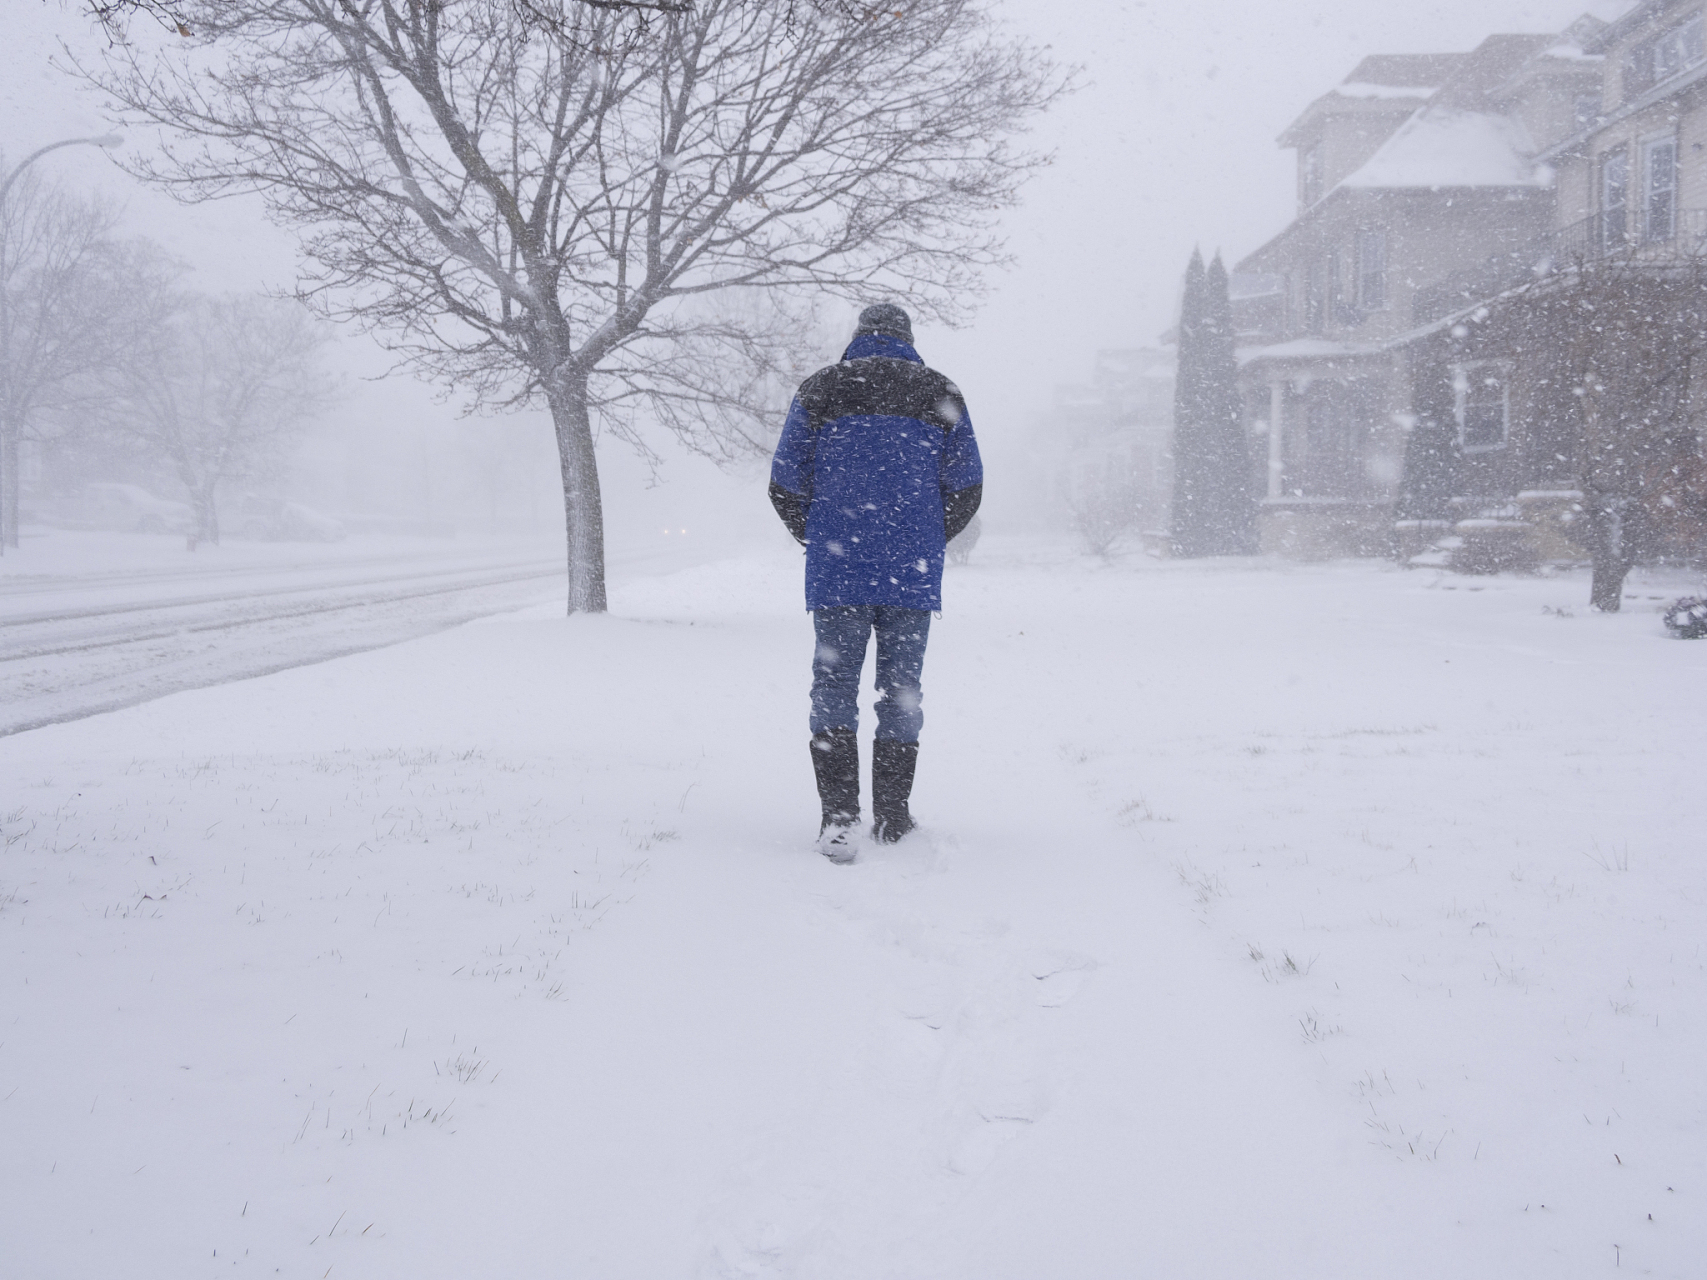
(1309, 921)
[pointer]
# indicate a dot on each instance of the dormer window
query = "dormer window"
(1672, 51)
(1372, 271)
(1585, 110)
(1310, 175)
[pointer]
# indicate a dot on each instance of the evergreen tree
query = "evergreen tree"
(1191, 468)
(1233, 521)
(1214, 507)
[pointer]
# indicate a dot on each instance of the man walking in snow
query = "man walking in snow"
(876, 471)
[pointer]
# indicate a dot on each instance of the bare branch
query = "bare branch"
(541, 199)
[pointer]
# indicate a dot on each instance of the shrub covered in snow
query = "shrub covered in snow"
(1687, 619)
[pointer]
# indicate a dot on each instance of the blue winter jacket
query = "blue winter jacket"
(876, 470)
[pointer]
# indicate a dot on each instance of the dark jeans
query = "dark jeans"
(842, 635)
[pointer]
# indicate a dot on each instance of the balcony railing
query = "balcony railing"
(1595, 238)
(1605, 235)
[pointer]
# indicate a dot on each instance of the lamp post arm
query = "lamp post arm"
(107, 140)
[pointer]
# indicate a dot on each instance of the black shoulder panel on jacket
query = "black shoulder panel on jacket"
(881, 385)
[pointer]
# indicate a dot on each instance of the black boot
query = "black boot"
(892, 766)
(835, 761)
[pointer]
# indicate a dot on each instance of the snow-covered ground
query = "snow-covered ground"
(1309, 921)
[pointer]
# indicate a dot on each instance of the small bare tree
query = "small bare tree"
(542, 201)
(54, 321)
(1102, 509)
(1616, 346)
(219, 387)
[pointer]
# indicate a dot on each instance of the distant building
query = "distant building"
(1109, 439)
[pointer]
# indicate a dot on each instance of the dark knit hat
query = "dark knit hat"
(885, 318)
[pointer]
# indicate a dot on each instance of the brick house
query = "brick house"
(1629, 180)
(1425, 182)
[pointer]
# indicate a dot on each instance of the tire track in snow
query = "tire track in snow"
(159, 655)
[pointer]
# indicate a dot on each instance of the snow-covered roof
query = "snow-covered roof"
(1440, 147)
(1363, 89)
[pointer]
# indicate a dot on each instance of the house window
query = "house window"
(1679, 49)
(1659, 203)
(1666, 55)
(1586, 109)
(1614, 198)
(1483, 402)
(1310, 174)
(1372, 270)
(1313, 298)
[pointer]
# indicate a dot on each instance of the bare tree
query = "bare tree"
(52, 317)
(115, 15)
(547, 210)
(1616, 347)
(217, 386)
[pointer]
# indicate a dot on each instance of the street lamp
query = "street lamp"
(108, 141)
(8, 455)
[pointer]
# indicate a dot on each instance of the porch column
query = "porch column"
(1276, 458)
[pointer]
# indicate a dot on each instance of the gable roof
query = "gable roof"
(1385, 83)
(1483, 72)
(1407, 70)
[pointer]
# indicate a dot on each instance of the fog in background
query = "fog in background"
(1169, 143)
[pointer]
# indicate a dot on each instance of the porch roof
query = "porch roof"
(1310, 350)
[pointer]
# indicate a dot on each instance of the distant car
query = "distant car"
(280, 520)
(127, 507)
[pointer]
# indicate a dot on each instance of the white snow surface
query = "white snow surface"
(1293, 921)
(1445, 147)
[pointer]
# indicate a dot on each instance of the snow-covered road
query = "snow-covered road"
(1308, 921)
(69, 648)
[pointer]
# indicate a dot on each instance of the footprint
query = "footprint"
(979, 1139)
(765, 1235)
(1060, 976)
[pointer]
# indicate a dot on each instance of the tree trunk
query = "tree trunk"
(9, 487)
(207, 515)
(1610, 555)
(583, 509)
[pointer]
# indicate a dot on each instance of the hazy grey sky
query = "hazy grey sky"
(1169, 143)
